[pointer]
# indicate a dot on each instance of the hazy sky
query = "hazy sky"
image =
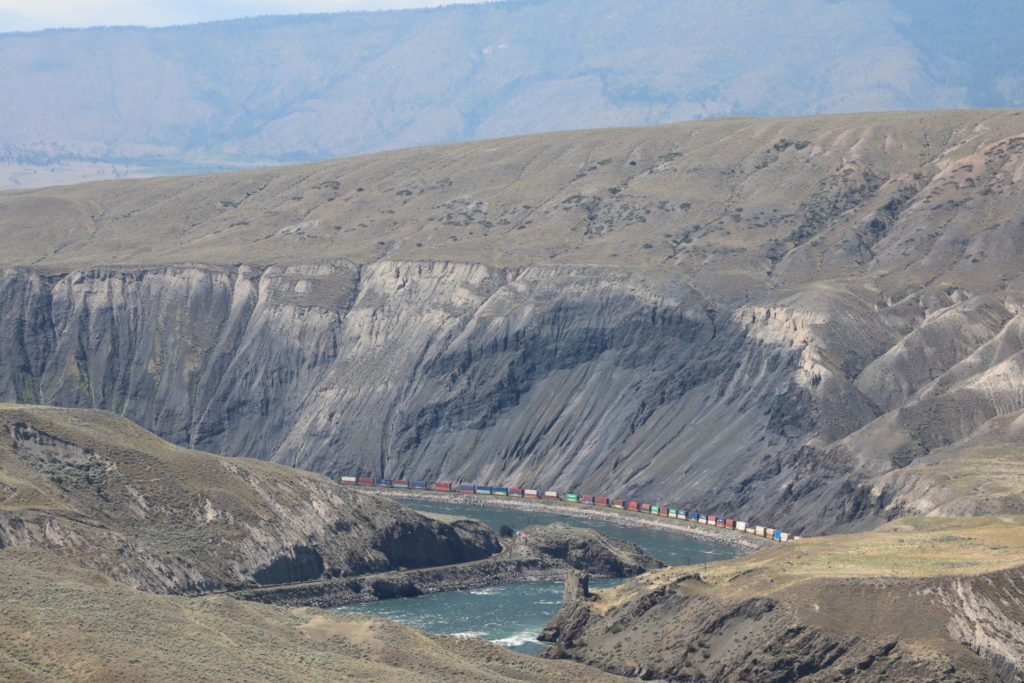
(32, 15)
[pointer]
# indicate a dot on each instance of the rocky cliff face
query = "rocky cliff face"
(557, 377)
(109, 496)
(806, 322)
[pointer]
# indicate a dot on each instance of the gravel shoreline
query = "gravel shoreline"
(621, 517)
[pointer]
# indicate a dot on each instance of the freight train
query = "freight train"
(597, 501)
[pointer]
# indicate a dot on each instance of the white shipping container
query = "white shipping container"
(741, 526)
(785, 536)
(769, 533)
(530, 492)
(759, 531)
(348, 480)
(551, 494)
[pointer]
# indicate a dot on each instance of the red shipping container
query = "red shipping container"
(366, 481)
(633, 505)
(515, 492)
(602, 501)
(720, 521)
(439, 486)
(663, 511)
(730, 524)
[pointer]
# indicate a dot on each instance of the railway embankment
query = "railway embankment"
(626, 518)
(536, 553)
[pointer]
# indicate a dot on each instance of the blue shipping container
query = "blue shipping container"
(486, 490)
(777, 535)
(499, 491)
(703, 519)
(467, 488)
(419, 484)
(694, 517)
(382, 482)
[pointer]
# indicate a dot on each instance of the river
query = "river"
(512, 615)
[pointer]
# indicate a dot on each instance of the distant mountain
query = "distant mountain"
(110, 102)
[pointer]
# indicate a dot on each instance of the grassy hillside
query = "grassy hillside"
(107, 495)
(60, 622)
(768, 201)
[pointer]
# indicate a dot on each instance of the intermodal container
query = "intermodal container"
(694, 517)
(633, 505)
(348, 480)
(620, 504)
(672, 512)
(683, 514)
(382, 482)
(587, 499)
(655, 509)
(601, 500)
(730, 524)
(741, 526)
(710, 520)
(484, 490)
(551, 495)
(720, 521)
(418, 484)
(703, 519)
(645, 507)
(663, 511)
(400, 484)
(515, 492)
(759, 531)
(467, 488)
(442, 486)
(784, 537)
(366, 481)
(572, 497)
(777, 535)
(499, 491)
(531, 493)
(769, 533)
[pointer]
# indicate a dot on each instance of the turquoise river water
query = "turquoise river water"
(512, 615)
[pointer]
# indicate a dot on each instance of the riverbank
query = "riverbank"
(627, 518)
(535, 553)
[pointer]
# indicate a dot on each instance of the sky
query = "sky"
(34, 15)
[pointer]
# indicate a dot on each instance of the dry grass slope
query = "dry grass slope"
(63, 623)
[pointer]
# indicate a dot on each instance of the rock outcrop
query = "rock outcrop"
(882, 607)
(107, 495)
(583, 549)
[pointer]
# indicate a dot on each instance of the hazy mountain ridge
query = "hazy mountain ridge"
(126, 101)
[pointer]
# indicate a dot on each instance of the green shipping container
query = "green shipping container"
(573, 497)
(672, 512)
(655, 509)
